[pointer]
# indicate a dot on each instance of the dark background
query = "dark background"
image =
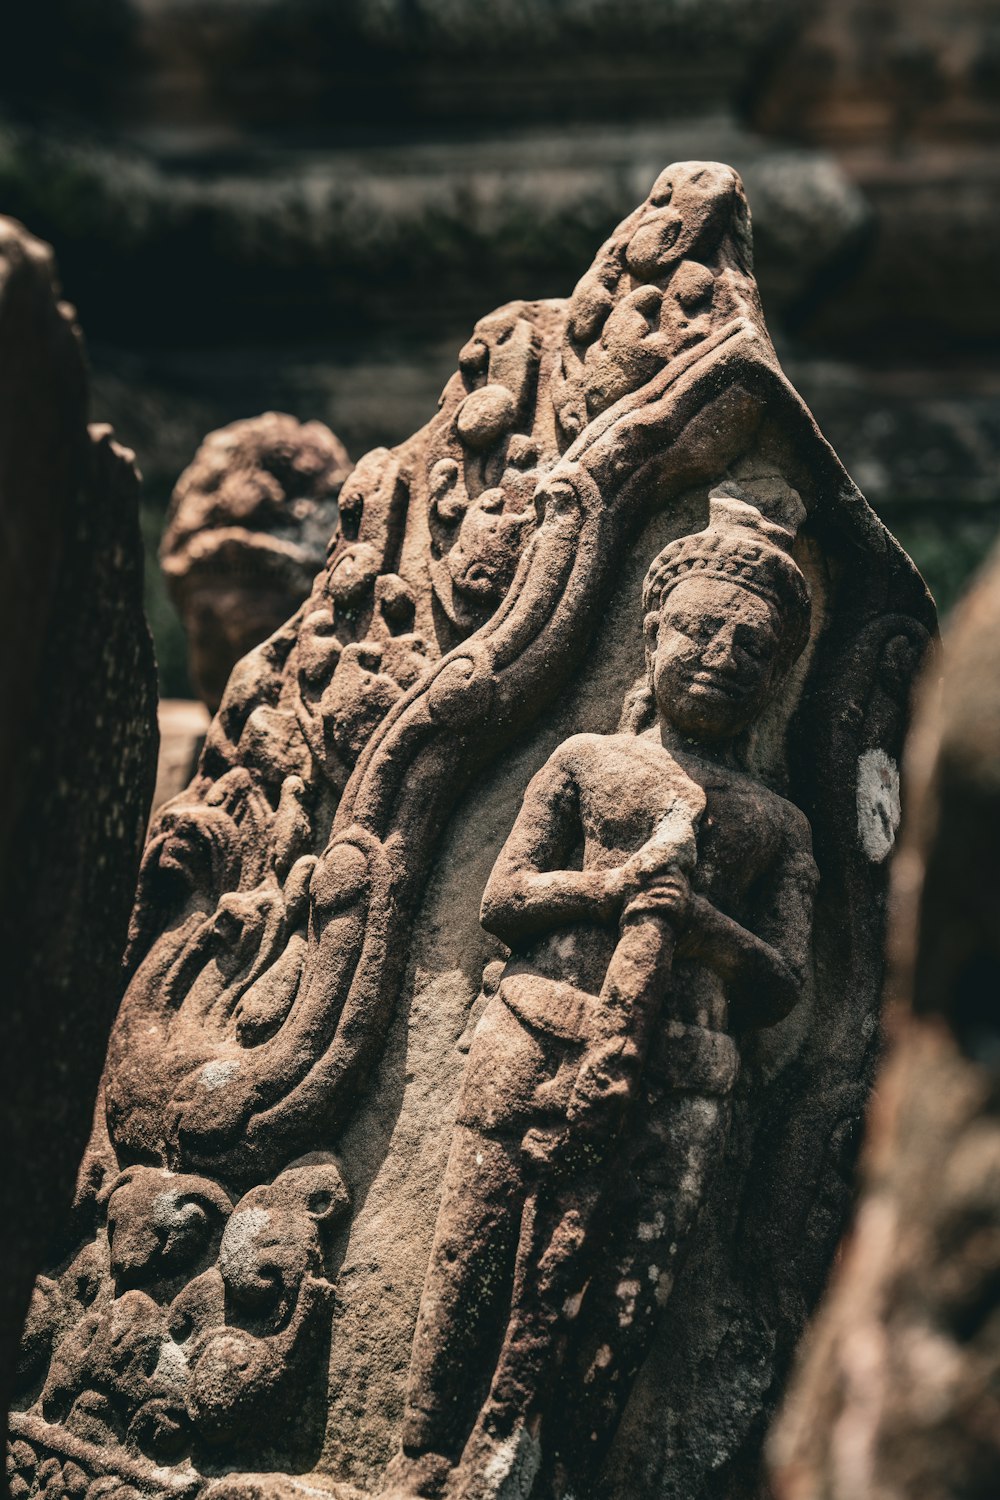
(305, 205)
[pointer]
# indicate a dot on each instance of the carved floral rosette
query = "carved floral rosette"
(186, 1333)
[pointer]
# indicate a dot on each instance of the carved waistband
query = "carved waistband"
(550, 1005)
(693, 1058)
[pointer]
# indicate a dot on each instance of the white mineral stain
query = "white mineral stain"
(163, 1209)
(171, 1367)
(510, 1472)
(215, 1074)
(236, 1250)
(878, 804)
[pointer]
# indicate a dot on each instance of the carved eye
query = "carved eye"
(320, 1203)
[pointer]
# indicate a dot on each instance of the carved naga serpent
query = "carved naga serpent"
(237, 1111)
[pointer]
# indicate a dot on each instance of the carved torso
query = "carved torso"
(600, 798)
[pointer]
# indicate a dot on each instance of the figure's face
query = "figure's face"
(715, 657)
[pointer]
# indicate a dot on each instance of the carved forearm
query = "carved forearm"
(762, 985)
(524, 905)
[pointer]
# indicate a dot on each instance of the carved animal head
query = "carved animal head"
(667, 276)
(489, 544)
(208, 846)
(271, 1266)
(273, 1242)
(160, 1222)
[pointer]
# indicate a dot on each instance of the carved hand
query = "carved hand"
(764, 987)
(559, 1148)
(652, 880)
(603, 1085)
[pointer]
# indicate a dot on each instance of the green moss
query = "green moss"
(168, 634)
(946, 547)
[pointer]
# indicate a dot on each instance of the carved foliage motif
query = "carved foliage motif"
(468, 569)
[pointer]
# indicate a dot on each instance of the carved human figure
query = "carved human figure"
(657, 900)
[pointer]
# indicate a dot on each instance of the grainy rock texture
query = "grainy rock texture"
(77, 753)
(620, 583)
(246, 534)
(897, 1396)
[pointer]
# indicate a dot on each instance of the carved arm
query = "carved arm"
(765, 972)
(527, 893)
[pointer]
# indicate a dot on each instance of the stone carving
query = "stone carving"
(896, 1393)
(77, 752)
(247, 529)
(305, 947)
(691, 916)
(246, 534)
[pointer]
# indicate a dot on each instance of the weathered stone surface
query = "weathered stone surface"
(311, 982)
(77, 752)
(897, 1395)
(246, 534)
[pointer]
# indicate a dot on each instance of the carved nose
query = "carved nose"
(719, 650)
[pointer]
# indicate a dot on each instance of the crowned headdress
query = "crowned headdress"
(743, 547)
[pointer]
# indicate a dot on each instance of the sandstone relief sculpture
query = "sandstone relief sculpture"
(688, 916)
(665, 1028)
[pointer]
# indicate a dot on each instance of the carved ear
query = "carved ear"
(315, 1186)
(492, 975)
(112, 1185)
(639, 708)
(206, 1195)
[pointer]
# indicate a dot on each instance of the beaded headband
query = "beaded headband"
(742, 547)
